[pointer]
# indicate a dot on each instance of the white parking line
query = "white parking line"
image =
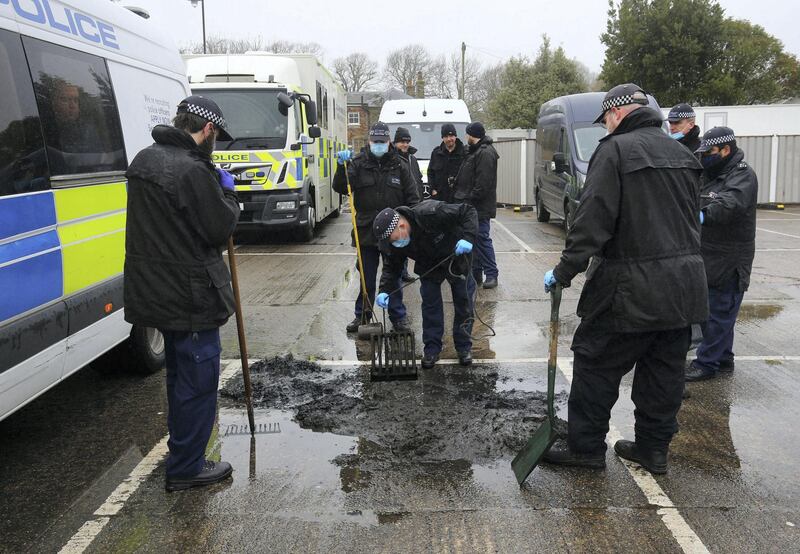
(687, 539)
(81, 540)
(777, 233)
(518, 240)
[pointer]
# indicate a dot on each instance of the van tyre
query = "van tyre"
(542, 215)
(306, 232)
(142, 353)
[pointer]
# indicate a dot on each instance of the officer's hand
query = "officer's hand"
(702, 217)
(344, 156)
(463, 247)
(549, 281)
(382, 300)
(225, 179)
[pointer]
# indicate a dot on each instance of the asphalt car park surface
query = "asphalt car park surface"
(83, 464)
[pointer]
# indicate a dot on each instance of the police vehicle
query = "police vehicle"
(288, 117)
(82, 84)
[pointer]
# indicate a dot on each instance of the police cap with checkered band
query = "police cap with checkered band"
(718, 136)
(622, 95)
(680, 112)
(208, 110)
(384, 225)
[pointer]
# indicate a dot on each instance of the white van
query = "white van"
(424, 117)
(82, 84)
(287, 115)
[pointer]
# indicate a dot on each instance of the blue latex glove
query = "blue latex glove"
(702, 218)
(382, 300)
(225, 179)
(549, 281)
(463, 247)
(343, 156)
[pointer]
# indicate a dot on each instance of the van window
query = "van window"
(587, 138)
(78, 109)
(23, 165)
(548, 142)
(252, 118)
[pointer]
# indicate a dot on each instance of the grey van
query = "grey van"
(565, 141)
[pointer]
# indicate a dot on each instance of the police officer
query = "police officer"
(446, 160)
(682, 126)
(379, 179)
(181, 212)
(477, 184)
(402, 141)
(728, 195)
(428, 234)
(638, 224)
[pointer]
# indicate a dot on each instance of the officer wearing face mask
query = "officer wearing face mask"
(682, 126)
(379, 179)
(429, 233)
(728, 196)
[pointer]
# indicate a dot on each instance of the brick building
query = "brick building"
(363, 110)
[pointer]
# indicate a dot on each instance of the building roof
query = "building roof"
(373, 98)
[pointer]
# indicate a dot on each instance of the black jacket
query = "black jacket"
(638, 221)
(413, 166)
(377, 184)
(692, 139)
(436, 227)
(179, 218)
(443, 167)
(728, 197)
(477, 180)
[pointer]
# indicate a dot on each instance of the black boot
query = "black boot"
(429, 360)
(353, 326)
(562, 455)
(401, 326)
(213, 472)
(726, 366)
(490, 283)
(654, 461)
(695, 373)
(465, 358)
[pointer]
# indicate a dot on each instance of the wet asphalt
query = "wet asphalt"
(733, 473)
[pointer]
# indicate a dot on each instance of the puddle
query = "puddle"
(750, 312)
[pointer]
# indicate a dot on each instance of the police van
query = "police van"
(82, 84)
(424, 117)
(287, 115)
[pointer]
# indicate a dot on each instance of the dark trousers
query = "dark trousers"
(371, 257)
(717, 344)
(484, 259)
(601, 360)
(192, 360)
(433, 313)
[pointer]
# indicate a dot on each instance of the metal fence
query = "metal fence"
(774, 158)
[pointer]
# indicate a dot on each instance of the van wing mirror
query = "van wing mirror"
(560, 162)
(311, 112)
(314, 132)
(285, 100)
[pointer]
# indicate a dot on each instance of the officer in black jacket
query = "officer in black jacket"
(638, 224)
(181, 212)
(446, 160)
(379, 179)
(402, 142)
(728, 195)
(428, 234)
(682, 126)
(477, 184)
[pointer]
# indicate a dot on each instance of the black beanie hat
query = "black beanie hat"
(402, 134)
(476, 129)
(449, 129)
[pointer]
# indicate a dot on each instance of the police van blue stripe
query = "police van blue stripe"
(28, 246)
(30, 283)
(23, 214)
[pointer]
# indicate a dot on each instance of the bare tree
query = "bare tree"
(355, 71)
(216, 44)
(404, 64)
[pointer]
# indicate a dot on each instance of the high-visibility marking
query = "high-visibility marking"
(670, 515)
(89, 200)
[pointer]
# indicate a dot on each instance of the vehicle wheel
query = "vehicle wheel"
(142, 352)
(306, 233)
(542, 215)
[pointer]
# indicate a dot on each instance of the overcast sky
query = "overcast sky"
(494, 30)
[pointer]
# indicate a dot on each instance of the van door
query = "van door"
(549, 187)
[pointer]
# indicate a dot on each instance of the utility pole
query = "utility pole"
(463, 54)
(203, 12)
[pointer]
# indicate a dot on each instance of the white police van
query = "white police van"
(82, 83)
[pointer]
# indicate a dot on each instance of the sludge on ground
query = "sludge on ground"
(450, 415)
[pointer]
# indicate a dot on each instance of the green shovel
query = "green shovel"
(545, 435)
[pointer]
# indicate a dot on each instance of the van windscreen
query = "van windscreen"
(586, 139)
(427, 135)
(252, 117)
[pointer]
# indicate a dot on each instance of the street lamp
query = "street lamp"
(203, 10)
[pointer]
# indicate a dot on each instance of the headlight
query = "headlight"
(285, 206)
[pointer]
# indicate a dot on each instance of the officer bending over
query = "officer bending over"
(728, 195)
(429, 233)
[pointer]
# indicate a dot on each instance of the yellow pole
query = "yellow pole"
(358, 246)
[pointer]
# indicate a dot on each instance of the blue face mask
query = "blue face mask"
(677, 136)
(401, 243)
(379, 148)
(710, 161)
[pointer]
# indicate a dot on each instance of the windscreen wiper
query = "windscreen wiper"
(243, 139)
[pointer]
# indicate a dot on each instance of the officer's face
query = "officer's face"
(725, 151)
(402, 145)
(402, 231)
(681, 126)
(612, 119)
(449, 141)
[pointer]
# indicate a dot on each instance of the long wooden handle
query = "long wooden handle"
(366, 301)
(248, 388)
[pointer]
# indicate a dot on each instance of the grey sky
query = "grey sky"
(493, 30)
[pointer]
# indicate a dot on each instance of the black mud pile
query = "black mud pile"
(450, 413)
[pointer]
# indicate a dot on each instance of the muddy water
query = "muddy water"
(451, 414)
